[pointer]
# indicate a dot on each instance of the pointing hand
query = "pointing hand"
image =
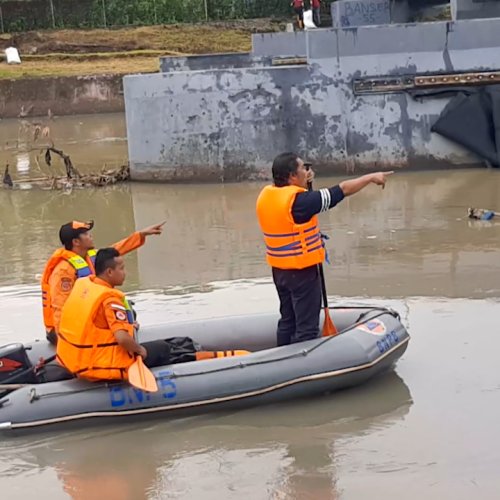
(156, 229)
(380, 178)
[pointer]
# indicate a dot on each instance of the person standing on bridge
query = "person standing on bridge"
(316, 12)
(287, 214)
(298, 8)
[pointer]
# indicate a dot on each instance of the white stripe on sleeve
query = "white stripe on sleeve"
(322, 209)
(326, 199)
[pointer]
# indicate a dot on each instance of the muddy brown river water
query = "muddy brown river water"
(430, 429)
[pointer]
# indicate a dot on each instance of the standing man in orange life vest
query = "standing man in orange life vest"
(287, 214)
(76, 260)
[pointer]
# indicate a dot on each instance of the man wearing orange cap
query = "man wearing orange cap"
(76, 260)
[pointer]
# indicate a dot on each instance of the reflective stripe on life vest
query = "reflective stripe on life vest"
(81, 265)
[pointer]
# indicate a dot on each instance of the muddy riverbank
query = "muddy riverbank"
(93, 94)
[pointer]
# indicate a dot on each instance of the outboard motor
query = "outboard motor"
(13, 362)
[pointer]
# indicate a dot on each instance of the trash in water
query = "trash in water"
(481, 214)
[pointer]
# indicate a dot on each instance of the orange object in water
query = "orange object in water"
(200, 355)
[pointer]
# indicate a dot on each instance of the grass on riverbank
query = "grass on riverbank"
(124, 50)
(96, 65)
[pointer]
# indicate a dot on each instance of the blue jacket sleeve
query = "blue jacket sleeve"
(310, 203)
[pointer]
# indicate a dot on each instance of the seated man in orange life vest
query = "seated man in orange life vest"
(76, 260)
(96, 333)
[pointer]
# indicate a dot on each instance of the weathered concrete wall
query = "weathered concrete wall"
(216, 115)
(474, 9)
(213, 61)
(347, 13)
(352, 13)
(63, 96)
(228, 124)
(279, 44)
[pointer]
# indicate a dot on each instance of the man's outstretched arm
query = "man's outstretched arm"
(137, 239)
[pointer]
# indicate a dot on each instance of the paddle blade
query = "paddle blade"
(140, 376)
(329, 328)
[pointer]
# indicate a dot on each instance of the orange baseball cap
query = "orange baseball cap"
(73, 229)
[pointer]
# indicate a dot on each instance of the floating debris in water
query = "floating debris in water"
(104, 178)
(7, 179)
(481, 214)
(69, 179)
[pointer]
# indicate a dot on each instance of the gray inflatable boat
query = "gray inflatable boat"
(370, 342)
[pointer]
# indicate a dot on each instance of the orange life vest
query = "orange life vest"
(83, 267)
(288, 245)
(83, 348)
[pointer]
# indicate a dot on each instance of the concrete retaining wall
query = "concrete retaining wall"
(228, 124)
(473, 9)
(213, 61)
(280, 44)
(360, 12)
(63, 96)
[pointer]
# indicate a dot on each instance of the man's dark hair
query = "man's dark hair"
(105, 259)
(284, 165)
(68, 245)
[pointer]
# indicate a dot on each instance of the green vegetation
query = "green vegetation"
(26, 15)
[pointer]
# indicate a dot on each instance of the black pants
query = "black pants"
(299, 291)
(317, 17)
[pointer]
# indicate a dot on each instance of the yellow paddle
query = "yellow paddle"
(140, 376)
